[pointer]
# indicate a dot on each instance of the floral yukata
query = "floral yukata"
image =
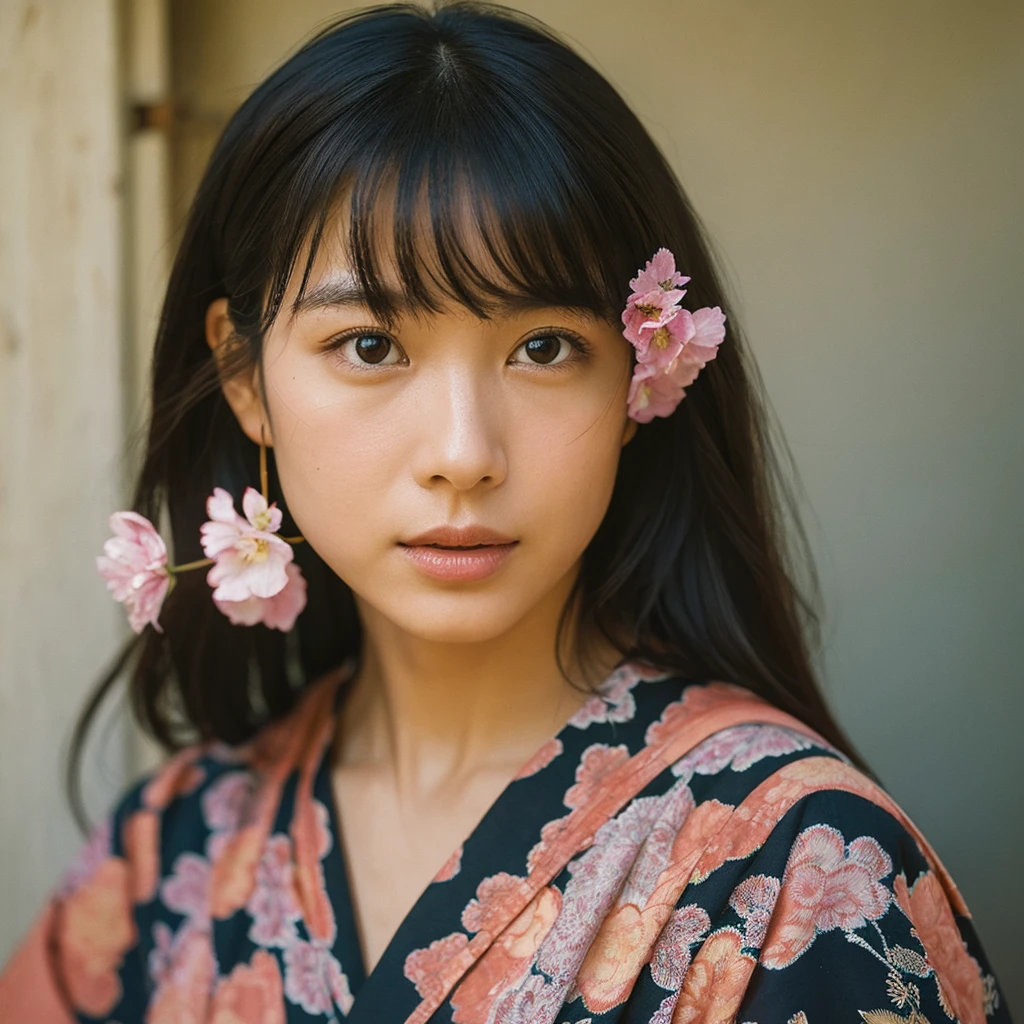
(679, 852)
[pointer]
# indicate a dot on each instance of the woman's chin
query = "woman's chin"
(457, 617)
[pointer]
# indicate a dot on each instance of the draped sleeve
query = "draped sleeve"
(82, 958)
(70, 965)
(837, 914)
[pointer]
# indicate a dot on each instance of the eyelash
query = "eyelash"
(335, 344)
(578, 343)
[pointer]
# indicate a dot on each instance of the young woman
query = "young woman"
(501, 707)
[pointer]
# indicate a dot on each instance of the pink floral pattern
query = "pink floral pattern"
(314, 979)
(957, 974)
(754, 900)
(183, 996)
(614, 702)
(671, 957)
(673, 879)
(226, 800)
(250, 994)
(90, 856)
(95, 931)
(425, 968)
(273, 905)
(451, 867)
(507, 960)
(826, 885)
(185, 890)
(740, 748)
(716, 981)
(544, 756)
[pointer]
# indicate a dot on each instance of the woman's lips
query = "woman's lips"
(461, 554)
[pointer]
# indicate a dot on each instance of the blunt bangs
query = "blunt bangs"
(461, 179)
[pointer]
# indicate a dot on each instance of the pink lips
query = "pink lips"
(462, 554)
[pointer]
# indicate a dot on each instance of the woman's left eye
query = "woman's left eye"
(544, 350)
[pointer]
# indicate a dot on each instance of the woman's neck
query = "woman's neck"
(430, 714)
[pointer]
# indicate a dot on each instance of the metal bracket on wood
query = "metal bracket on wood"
(152, 116)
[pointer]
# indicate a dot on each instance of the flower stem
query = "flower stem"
(294, 540)
(264, 487)
(189, 565)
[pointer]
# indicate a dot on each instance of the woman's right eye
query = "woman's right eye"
(370, 348)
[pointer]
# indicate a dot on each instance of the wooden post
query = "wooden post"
(61, 383)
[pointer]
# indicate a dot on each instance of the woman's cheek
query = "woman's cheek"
(570, 475)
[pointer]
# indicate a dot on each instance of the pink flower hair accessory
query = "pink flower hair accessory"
(252, 569)
(672, 344)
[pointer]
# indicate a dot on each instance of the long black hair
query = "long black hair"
(464, 106)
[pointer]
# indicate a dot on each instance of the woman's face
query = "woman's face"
(451, 470)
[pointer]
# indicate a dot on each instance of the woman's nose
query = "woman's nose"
(460, 442)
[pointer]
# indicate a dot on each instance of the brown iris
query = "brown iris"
(543, 350)
(372, 348)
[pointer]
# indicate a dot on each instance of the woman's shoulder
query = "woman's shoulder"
(764, 782)
(208, 808)
(208, 791)
(805, 864)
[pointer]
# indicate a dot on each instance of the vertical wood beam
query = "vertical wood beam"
(61, 381)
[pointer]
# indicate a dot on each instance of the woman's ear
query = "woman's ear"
(240, 389)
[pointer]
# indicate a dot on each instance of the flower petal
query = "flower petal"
(217, 536)
(277, 612)
(253, 505)
(659, 272)
(220, 507)
(709, 333)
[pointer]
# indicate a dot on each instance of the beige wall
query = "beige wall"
(61, 379)
(859, 167)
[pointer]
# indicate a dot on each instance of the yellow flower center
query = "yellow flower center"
(661, 337)
(648, 310)
(262, 520)
(257, 550)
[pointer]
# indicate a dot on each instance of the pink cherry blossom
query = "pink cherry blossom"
(648, 312)
(660, 272)
(672, 344)
(652, 393)
(709, 324)
(277, 612)
(249, 559)
(661, 346)
(702, 347)
(134, 564)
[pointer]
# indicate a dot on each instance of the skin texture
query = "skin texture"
(457, 425)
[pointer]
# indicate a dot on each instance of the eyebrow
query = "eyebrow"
(341, 293)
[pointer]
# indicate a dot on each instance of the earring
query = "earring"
(252, 568)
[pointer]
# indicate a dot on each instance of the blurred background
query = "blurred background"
(859, 168)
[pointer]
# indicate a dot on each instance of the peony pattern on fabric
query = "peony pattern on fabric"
(678, 853)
